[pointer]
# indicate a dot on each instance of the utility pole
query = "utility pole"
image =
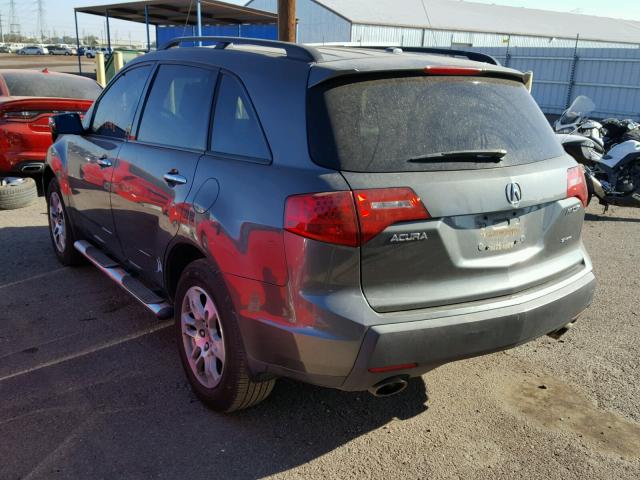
(14, 25)
(199, 19)
(40, 19)
(1, 30)
(287, 20)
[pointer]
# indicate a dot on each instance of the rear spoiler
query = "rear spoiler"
(319, 75)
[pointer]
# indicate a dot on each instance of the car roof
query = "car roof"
(331, 60)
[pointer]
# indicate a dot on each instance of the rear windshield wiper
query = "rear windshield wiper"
(463, 155)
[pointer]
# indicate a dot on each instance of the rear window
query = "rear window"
(379, 124)
(46, 85)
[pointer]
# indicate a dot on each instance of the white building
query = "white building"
(452, 23)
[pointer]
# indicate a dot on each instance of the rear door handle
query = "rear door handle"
(174, 178)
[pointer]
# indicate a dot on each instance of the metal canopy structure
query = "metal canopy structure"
(173, 13)
(180, 12)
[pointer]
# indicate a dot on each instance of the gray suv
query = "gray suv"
(348, 217)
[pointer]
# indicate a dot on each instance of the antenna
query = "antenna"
(40, 19)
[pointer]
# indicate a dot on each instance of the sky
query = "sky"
(59, 14)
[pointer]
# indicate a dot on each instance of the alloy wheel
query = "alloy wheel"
(202, 337)
(57, 222)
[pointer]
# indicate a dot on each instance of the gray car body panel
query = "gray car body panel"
(323, 313)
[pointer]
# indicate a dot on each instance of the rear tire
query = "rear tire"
(210, 343)
(60, 228)
(590, 190)
(17, 192)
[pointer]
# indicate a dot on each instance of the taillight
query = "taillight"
(20, 115)
(328, 217)
(577, 185)
(380, 208)
(334, 218)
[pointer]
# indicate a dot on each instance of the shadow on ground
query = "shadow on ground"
(607, 218)
(127, 411)
(26, 251)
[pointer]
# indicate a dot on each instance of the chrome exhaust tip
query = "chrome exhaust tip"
(556, 334)
(32, 168)
(388, 387)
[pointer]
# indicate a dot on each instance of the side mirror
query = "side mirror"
(65, 124)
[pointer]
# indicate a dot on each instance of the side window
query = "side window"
(114, 114)
(177, 110)
(236, 130)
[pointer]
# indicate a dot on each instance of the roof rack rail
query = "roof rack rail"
(474, 56)
(293, 50)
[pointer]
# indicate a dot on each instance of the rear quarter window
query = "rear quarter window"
(378, 124)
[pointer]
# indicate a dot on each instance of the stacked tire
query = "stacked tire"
(17, 192)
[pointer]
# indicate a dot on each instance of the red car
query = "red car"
(27, 99)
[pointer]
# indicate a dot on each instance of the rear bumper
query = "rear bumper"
(20, 148)
(434, 342)
(426, 337)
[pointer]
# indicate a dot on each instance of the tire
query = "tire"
(220, 342)
(17, 192)
(62, 243)
(590, 189)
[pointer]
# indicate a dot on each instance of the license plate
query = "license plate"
(501, 235)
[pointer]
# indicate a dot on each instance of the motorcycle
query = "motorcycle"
(609, 152)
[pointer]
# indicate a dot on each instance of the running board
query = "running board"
(158, 305)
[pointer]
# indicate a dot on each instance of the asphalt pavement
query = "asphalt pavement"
(91, 387)
(55, 63)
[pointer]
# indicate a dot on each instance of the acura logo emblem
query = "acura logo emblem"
(514, 194)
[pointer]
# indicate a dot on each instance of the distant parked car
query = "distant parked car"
(5, 49)
(13, 47)
(91, 52)
(62, 50)
(82, 50)
(33, 50)
(27, 99)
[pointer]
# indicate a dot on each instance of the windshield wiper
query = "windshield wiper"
(463, 155)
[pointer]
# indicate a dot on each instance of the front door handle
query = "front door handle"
(174, 178)
(104, 162)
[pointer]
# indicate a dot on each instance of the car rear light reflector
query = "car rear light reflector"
(20, 115)
(380, 208)
(576, 184)
(327, 217)
(392, 368)
(455, 71)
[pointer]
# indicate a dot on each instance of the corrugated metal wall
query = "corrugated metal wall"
(316, 23)
(445, 38)
(563, 68)
(164, 34)
(609, 76)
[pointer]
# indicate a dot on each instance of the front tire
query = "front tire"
(210, 343)
(60, 228)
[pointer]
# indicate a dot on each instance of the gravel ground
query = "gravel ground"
(91, 387)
